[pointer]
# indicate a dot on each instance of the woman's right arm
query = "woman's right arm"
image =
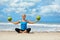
(15, 22)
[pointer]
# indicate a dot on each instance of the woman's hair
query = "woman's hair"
(23, 14)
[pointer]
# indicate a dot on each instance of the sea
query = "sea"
(42, 27)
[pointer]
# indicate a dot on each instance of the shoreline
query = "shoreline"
(31, 31)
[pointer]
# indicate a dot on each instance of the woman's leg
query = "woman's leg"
(28, 30)
(18, 30)
(25, 31)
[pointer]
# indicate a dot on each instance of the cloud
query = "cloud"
(16, 10)
(22, 4)
(57, 2)
(3, 2)
(18, 5)
(46, 10)
(30, 0)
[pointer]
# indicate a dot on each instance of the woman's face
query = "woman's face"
(23, 16)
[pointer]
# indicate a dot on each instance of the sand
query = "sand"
(30, 36)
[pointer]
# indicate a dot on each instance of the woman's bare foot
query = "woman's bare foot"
(21, 31)
(25, 31)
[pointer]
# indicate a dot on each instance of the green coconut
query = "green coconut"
(9, 18)
(38, 18)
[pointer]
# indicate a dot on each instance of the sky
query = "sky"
(49, 10)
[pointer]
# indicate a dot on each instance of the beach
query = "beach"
(38, 32)
(31, 36)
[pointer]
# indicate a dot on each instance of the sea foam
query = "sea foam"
(34, 27)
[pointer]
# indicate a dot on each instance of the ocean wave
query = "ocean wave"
(34, 27)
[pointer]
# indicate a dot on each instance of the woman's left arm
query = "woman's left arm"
(30, 22)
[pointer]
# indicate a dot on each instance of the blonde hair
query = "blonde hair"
(23, 14)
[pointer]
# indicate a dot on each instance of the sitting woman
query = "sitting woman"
(23, 22)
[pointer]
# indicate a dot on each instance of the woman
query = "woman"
(23, 22)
